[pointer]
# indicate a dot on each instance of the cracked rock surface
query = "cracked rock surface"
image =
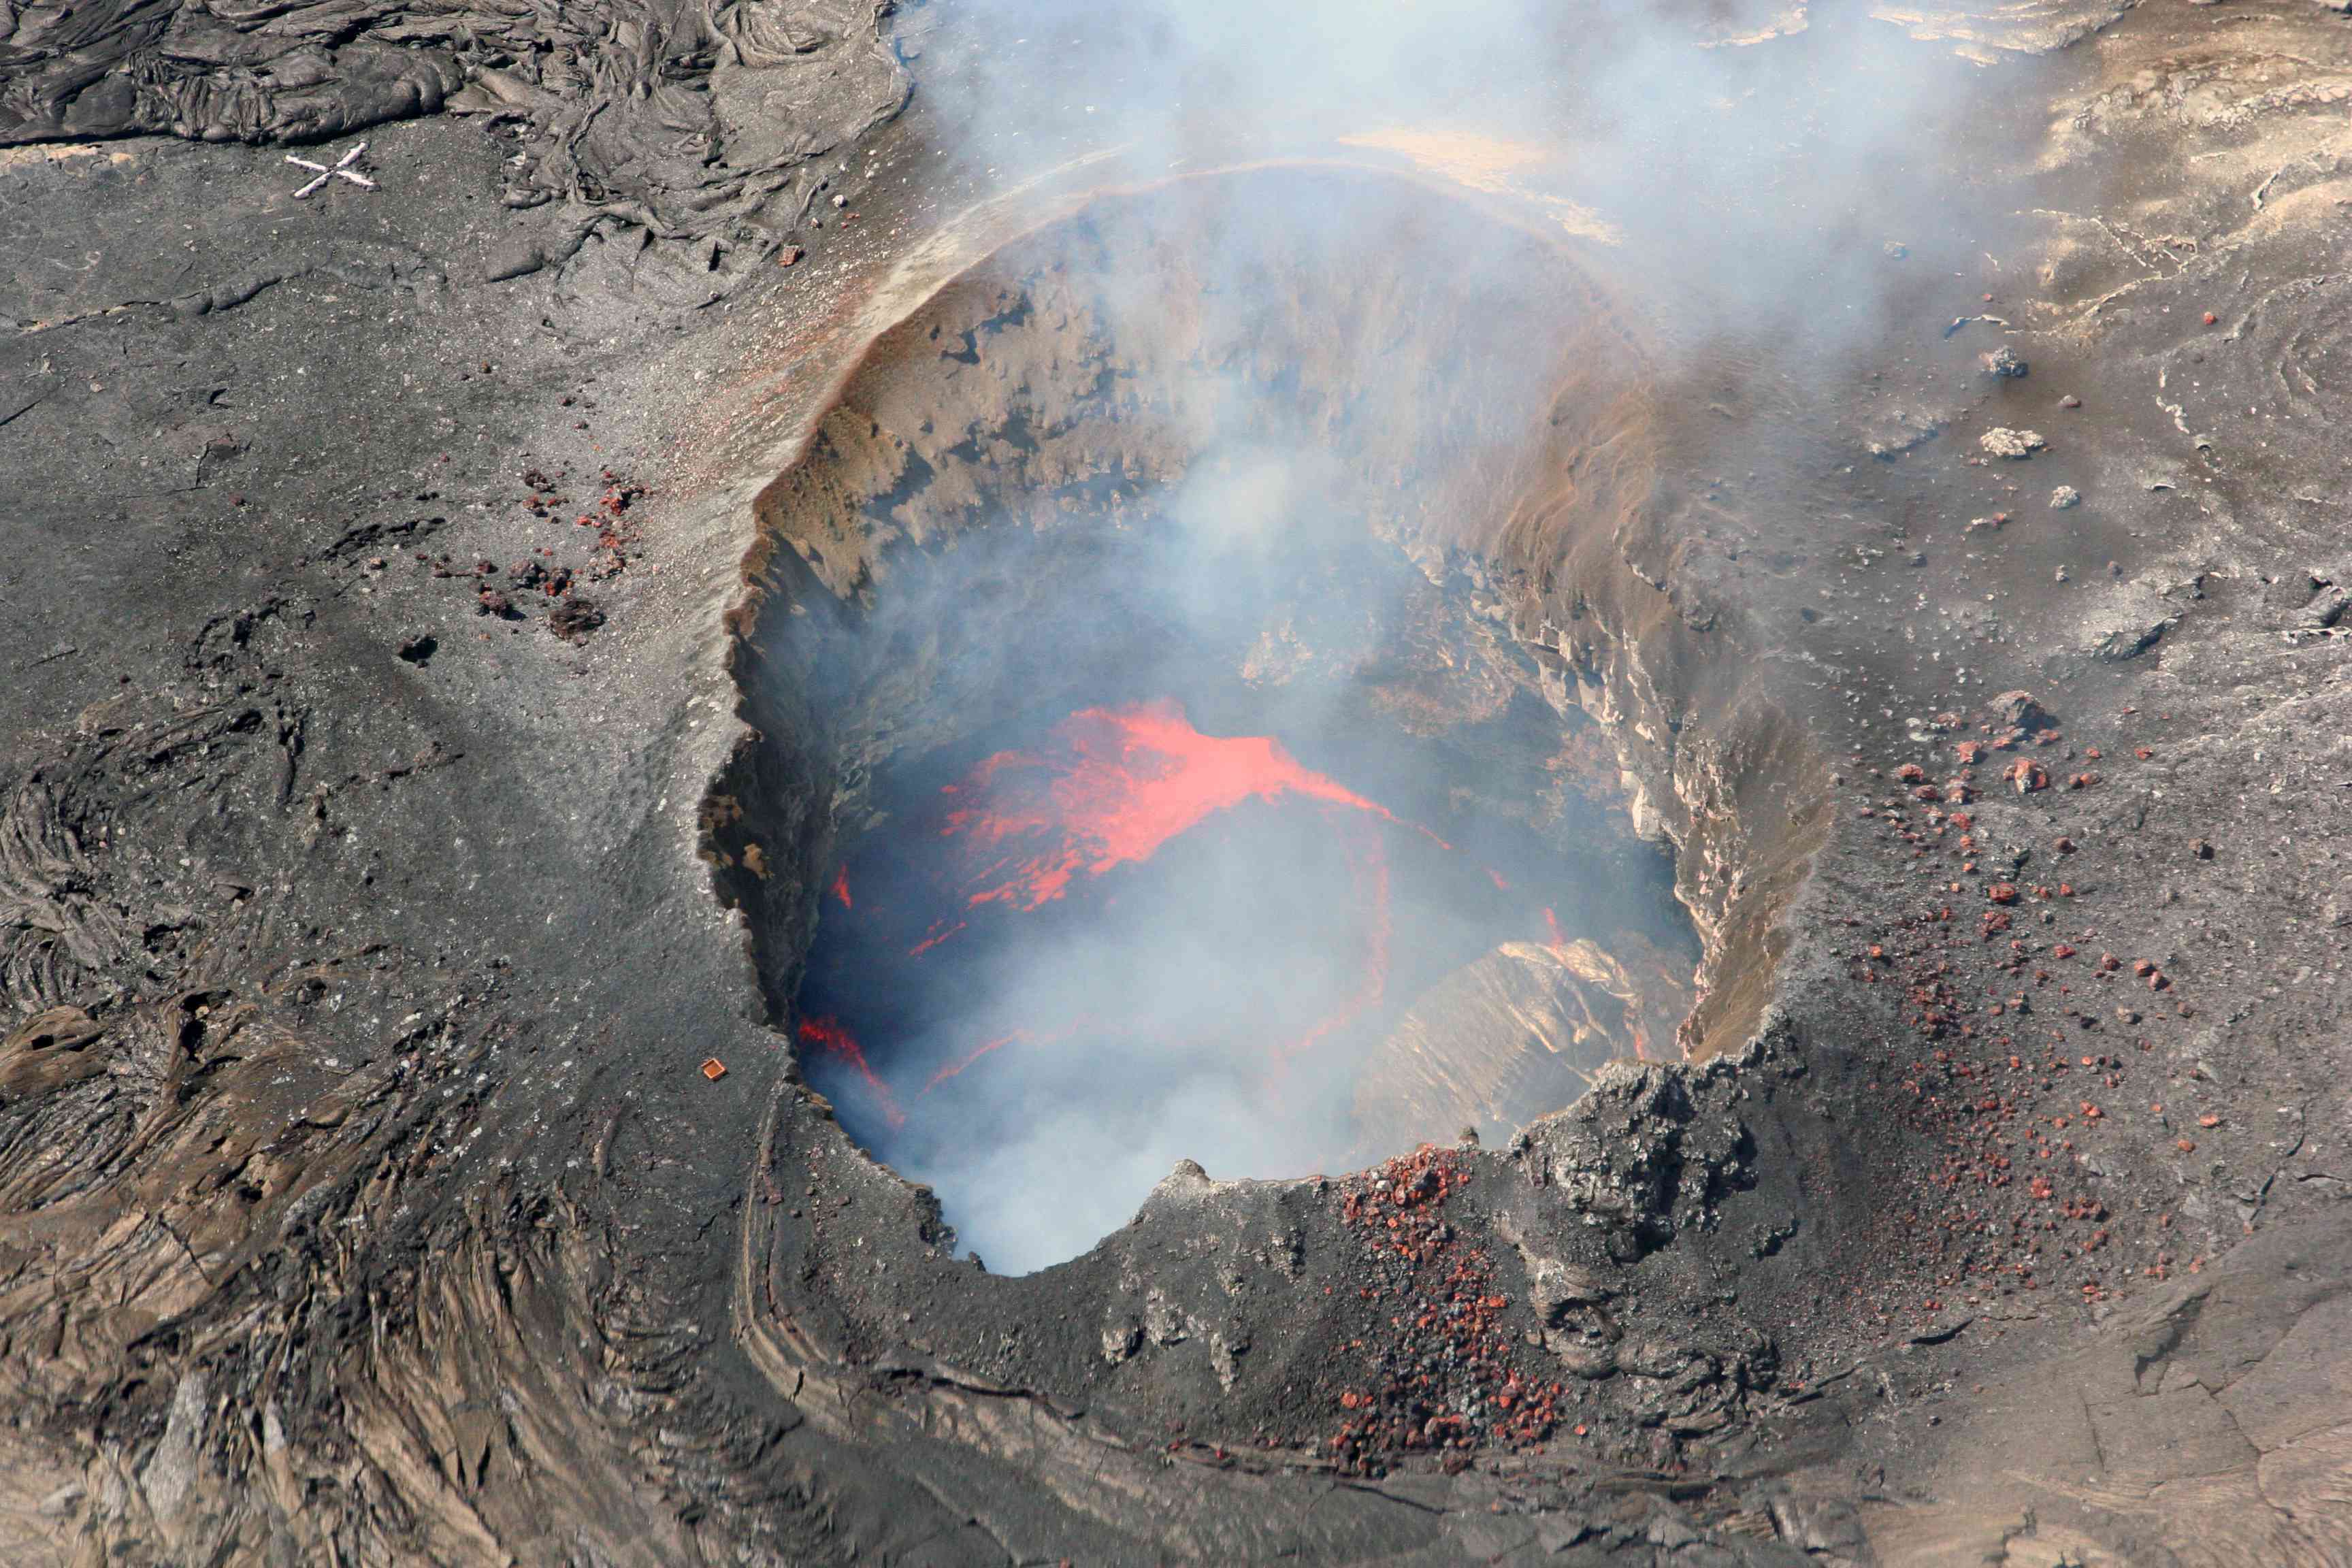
(369, 572)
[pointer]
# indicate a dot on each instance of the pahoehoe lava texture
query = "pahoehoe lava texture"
(695, 120)
(362, 1197)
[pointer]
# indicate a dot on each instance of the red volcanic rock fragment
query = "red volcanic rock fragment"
(2002, 892)
(2143, 968)
(2025, 777)
(2064, 846)
(1968, 751)
(1911, 772)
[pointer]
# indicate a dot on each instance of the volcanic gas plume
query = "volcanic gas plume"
(1115, 785)
(1174, 745)
(1128, 900)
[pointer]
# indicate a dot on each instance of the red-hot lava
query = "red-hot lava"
(1112, 786)
(941, 931)
(827, 1036)
(1121, 783)
(965, 1060)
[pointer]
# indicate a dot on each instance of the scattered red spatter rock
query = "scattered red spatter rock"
(1445, 1382)
(2142, 752)
(615, 535)
(1998, 1213)
(2208, 1121)
(2143, 968)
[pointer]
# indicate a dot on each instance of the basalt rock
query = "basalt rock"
(1651, 1151)
(686, 117)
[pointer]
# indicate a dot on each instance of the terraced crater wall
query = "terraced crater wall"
(1492, 405)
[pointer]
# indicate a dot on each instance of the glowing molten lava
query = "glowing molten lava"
(1120, 782)
(1107, 790)
(827, 1036)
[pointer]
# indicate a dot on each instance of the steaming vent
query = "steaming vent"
(1156, 760)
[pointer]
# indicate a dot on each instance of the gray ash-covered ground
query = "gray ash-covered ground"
(362, 1196)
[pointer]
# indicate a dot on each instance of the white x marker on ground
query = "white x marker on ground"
(342, 169)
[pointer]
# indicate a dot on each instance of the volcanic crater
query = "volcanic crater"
(1202, 711)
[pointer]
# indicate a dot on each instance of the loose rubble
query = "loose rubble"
(2016, 445)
